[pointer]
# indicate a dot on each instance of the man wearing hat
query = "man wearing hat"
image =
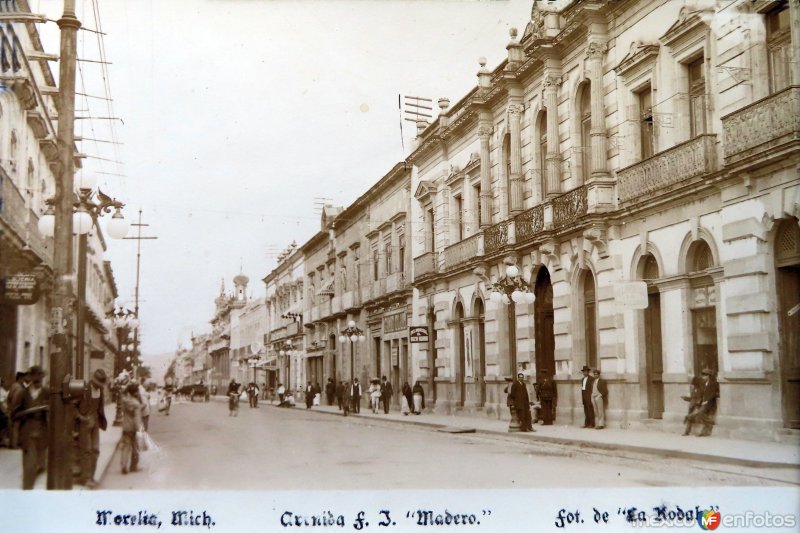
(518, 396)
(91, 419)
(548, 397)
(31, 412)
(587, 385)
(707, 411)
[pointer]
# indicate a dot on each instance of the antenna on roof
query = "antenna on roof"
(320, 202)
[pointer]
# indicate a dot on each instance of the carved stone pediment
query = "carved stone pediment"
(690, 23)
(640, 57)
(425, 192)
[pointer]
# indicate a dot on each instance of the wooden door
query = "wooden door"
(789, 292)
(654, 362)
(543, 324)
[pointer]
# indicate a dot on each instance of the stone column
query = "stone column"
(594, 54)
(514, 122)
(553, 179)
(484, 133)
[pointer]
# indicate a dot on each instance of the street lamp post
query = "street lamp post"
(355, 335)
(511, 288)
(123, 322)
(287, 350)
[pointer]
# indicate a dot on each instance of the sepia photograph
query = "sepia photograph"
(496, 265)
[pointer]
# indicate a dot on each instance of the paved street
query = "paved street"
(269, 448)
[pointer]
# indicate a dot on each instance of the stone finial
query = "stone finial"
(421, 125)
(482, 62)
(444, 103)
(513, 32)
(484, 76)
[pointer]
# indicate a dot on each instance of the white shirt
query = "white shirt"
(585, 380)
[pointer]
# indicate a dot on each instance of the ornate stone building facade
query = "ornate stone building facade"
(619, 142)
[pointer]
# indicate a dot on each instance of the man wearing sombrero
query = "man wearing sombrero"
(91, 419)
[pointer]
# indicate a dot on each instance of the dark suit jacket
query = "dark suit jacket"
(711, 391)
(519, 395)
(602, 388)
(586, 395)
(386, 390)
(85, 407)
(356, 390)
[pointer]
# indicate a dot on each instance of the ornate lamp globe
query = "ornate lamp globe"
(81, 222)
(342, 339)
(512, 271)
(517, 296)
(47, 223)
(351, 324)
(117, 227)
(354, 337)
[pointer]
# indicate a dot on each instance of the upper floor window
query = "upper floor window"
(458, 218)
(387, 252)
(586, 128)
(697, 96)
(431, 230)
(375, 263)
(779, 48)
(645, 98)
(401, 252)
(542, 163)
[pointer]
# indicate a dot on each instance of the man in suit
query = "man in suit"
(599, 400)
(91, 417)
(521, 402)
(386, 394)
(31, 412)
(708, 403)
(309, 395)
(355, 396)
(548, 397)
(586, 396)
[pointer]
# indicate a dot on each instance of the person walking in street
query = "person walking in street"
(586, 397)
(419, 398)
(406, 400)
(309, 395)
(548, 397)
(131, 423)
(91, 418)
(15, 393)
(252, 394)
(355, 395)
(330, 391)
(234, 391)
(281, 393)
(31, 413)
(520, 399)
(387, 392)
(599, 400)
(375, 396)
(169, 388)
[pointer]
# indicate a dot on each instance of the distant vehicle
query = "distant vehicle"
(198, 390)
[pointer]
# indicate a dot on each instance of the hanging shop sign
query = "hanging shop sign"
(418, 334)
(20, 289)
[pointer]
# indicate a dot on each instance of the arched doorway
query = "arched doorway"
(458, 319)
(480, 369)
(787, 264)
(703, 304)
(653, 360)
(543, 323)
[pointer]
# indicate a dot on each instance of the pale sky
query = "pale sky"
(238, 113)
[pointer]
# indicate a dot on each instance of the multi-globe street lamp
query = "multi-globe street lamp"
(511, 287)
(287, 350)
(123, 321)
(354, 334)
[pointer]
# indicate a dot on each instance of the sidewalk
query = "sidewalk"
(11, 462)
(708, 449)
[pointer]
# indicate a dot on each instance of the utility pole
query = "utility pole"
(138, 240)
(59, 456)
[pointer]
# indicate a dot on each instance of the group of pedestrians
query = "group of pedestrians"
(26, 406)
(594, 395)
(379, 396)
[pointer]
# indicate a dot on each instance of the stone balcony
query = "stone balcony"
(765, 125)
(395, 282)
(569, 207)
(683, 162)
(15, 215)
(496, 237)
(351, 299)
(529, 224)
(424, 264)
(462, 251)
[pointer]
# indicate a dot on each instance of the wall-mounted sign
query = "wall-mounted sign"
(20, 289)
(418, 334)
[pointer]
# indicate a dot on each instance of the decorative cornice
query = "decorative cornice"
(639, 55)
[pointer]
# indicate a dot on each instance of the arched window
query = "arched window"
(590, 319)
(703, 303)
(585, 114)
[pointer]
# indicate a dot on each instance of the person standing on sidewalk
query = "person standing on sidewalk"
(91, 415)
(406, 400)
(707, 411)
(599, 400)
(386, 394)
(345, 399)
(375, 395)
(131, 423)
(330, 391)
(340, 390)
(419, 398)
(586, 397)
(695, 398)
(521, 402)
(309, 395)
(355, 395)
(252, 394)
(5, 422)
(31, 413)
(15, 393)
(548, 398)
